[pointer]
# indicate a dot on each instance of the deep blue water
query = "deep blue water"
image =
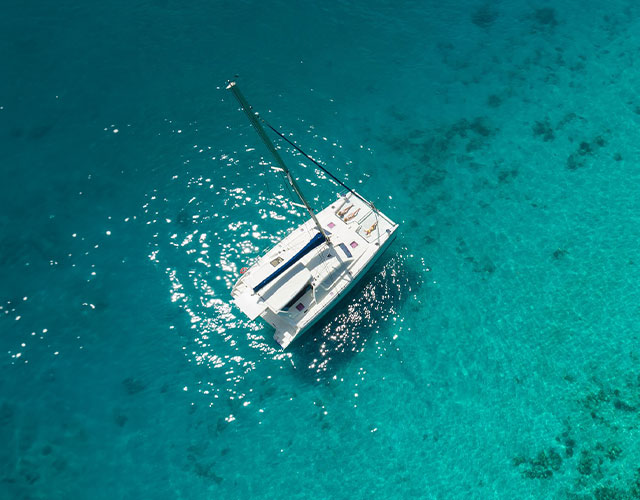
(491, 353)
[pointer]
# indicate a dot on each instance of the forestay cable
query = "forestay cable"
(315, 162)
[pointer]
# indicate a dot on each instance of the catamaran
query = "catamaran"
(303, 276)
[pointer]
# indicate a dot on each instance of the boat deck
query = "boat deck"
(302, 294)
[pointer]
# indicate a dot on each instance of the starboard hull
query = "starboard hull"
(342, 294)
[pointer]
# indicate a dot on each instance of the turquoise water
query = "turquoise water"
(492, 352)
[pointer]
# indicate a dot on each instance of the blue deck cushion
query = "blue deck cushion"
(316, 241)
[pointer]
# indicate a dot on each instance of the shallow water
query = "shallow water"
(491, 352)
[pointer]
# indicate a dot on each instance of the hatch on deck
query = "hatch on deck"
(282, 291)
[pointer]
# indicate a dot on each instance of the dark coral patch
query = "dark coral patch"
(481, 127)
(560, 253)
(6, 414)
(618, 404)
(120, 419)
(133, 386)
(39, 132)
(494, 101)
(505, 176)
(542, 466)
(206, 471)
(578, 159)
(545, 16)
(587, 464)
(543, 129)
(567, 441)
(610, 493)
(484, 16)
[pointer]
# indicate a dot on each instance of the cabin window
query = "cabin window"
(344, 248)
(276, 261)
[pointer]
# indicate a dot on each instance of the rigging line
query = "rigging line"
(266, 181)
(291, 196)
(288, 188)
(315, 162)
(253, 119)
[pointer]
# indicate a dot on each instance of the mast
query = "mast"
(253, 118)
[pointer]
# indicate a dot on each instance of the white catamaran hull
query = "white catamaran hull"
(300, 295)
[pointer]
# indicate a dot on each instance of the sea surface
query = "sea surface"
(491, 353)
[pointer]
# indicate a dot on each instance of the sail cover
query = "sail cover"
(315, 242)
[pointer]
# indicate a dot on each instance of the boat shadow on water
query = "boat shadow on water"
(361, 316)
